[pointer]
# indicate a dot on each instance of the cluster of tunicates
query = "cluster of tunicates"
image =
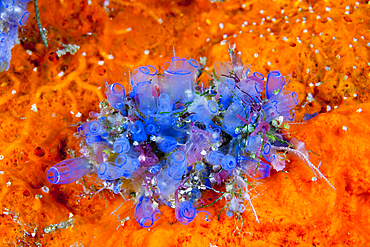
(172, 139)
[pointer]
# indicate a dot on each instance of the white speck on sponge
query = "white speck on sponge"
(35, 69)
(309, 97)
(223, 42)
(72, 112)
(45, 189)
(146, 52)
(14, 92)
(78, 114)
(203, 60)
(61, 74)
(83, 54)
(101, 62)
(221, 25)
(110, 56)
(29, 52)
(359, 110)
(328, 108)
(344, 128)
(34, 108)
(128, 29)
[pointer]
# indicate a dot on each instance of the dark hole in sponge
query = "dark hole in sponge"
(39, 152)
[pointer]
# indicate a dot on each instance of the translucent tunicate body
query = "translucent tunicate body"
(15, 14)
(280, 104)
(166, 183)
(215, 157)
(121, 145)
(179, 79)
(164, 103)
(145, 213)
(108, 171)
(144, 73)
(144, 98)
(275, 83)
(115, 95)
(253, 143)
(228, 163)
(204, 113)
(92, 128)
(231, 121)
(253, 168)
(68, 171)
(170, 178)
(127, 163)
(177, 164)
(186, 212)
(166, 143)
(138, 131)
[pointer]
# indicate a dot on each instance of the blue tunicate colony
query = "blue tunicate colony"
(169, 139)
(13, 13)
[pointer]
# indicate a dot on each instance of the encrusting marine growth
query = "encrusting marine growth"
(170, 138)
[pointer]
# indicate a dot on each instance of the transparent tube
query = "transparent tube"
(192, 66)
(259, 78)
(145, 213)
(228, 163)
(166, 144)
(108, 171)
(144, 99)
(286, 101)
(127, 163)
(225, 88)
(93, 128)
(275, 83)
(68, 171)
(177, 165)
(186, 212)
(164, 103)
(138, 131)
(144, 73)
(121, 145)
(115, 94)
(231, 121)
(253, 168)
(215, 157)
(166, 183)
(179, 79)
(204, 113)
